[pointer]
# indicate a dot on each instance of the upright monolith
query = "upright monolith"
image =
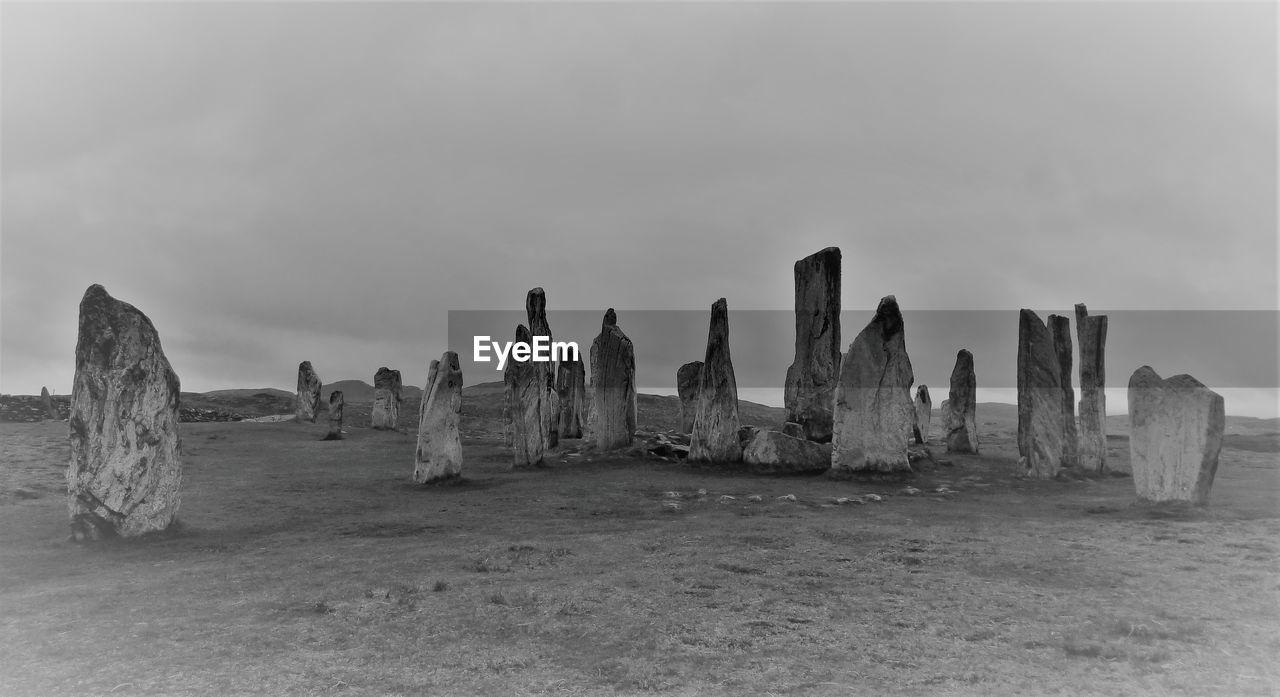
(1060, 329)
(687, 377)
(812, 377)
(873, 410)
(46, 403)
(125, 469)
(1040, 417)
(386, 398)
(308, 393)
(923, 414)
(535, 306)
(1175, 437)
(336, 404)
(959, 412)
(571, 386)
(439, 453)
(715, 426)
(525, 391)
(613, 386)
(1091, 335)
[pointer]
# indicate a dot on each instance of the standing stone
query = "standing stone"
(386, 398)
(335, 416)
(959, 412)
(535, 306)
(46, 403)
(923, 414)
(125, 468)
(525, 389)
(1175, 437)
(308, 393)
(715, 427)
(1091, 335)
(1040, 418)
(873, 409)
(1060, 328)
(613, 386)
(687, 389)
(812, 377)
(571, 386)
(439, 453)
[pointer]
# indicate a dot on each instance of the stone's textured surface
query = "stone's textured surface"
(715, 427)
(774, 452)
(1060, 330)
(125, 469)
(959, 411)
(439, 453)
(525, 391)
(308, 393)
(1176, 435)
(386, 398)
(46, 403)
(535, 306)
(1091, 335)
(687, 377)
(571, 387)
(794, 430)
(613, 386)
(336, 403)
(873, 409)
(1040, 417)
(923, 414)
(812, 377)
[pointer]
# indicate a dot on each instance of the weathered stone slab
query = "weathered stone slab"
(613, 386)
(386, 398)
(715, 427)
(571, 386)
(1060, 329)
(923, 415)
(336, 404)
(46, 403)
(687, 377)
(812, 377)
(525, 391)
(439, 453)
(1175, 437)
(772, 452)
(1040, 417)
(873, 410)
(1091, 335)
(126, 469)
(308, 393)
(959, 411)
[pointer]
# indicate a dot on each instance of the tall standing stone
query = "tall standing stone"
(125, 469)
(1040, 417)
(439, 453)
(687, 377)
(308, 393)
(386, 398)
(613, 386)
(1175, 437)
(959, 412)
(1060, 328)
(715, 427)
(46, 403)
(336, 403)
(535, 306)
(923, 414)
(812, 377)
(525, 389)
(571, 385)
(873, 409)
(1091, 335)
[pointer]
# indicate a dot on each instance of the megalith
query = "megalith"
(1176, 428)
(775, 452)
(336, 403)
(812, 376)
(959, 412)
(613, 386)
(439, 453)
(1091, 335)
(535, 306)
(1060, 329)
(386, 398)
(126, 469)
(873, 409)
(525, 391)
(1040, 417)
(715, 427)
(687, 377)
(46, 403)
(923, 414)
(571, 386)
(308, 393)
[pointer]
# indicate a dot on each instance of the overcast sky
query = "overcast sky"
(325, 181)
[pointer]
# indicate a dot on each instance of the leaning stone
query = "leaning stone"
(613, 386)
(1091, 335)
(125, 469)
(1040, 418)
(336, 403)
(959, 412)
(571, 386)
(812, 377)
(778, 453)
(873, 409)
(525, 388)
(1176, 428)
(715, 428)
(386, 398)
(1060, 328)
(439, 453)
(46, 403)
(923, 414)
(687, 389)
(308, 393)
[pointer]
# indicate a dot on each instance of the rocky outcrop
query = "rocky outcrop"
(959, 411)
(1040, 417)
(1091, 335)
(571, 386)
(125, 471)
(386, 399)
(439, 453)
(613, 386)
(1175, 437)
(923, 415)
(772, 452)
(308, 393)
(715, 427)
(525, 396)
(1060, 329)
(336, 404)
(812, 377)
(687, 377)
(873, 409)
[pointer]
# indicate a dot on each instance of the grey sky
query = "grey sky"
(326, 180)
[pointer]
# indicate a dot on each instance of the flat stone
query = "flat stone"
(773, 452)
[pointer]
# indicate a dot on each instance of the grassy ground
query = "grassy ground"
(311, 567)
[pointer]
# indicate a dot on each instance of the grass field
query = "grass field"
(305, 567)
